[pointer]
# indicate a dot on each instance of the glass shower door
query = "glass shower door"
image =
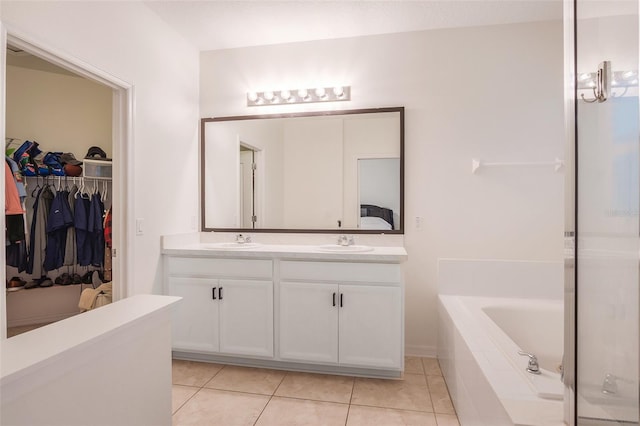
(607, 217)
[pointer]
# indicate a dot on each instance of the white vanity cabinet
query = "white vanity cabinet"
(348, 314)
(226, 308)
(289, 307)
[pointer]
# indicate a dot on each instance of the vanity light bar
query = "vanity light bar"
(299, 96)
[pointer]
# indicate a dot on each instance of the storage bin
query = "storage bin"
(97, 168)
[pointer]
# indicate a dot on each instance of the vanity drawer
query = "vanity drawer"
(341, 272)
(225, 268)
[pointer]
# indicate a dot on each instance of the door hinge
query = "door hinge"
(113, 252)
(254, 166)
(254, 218)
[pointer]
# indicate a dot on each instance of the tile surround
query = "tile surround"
(214, 394)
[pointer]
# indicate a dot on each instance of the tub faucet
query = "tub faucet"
(533, 367)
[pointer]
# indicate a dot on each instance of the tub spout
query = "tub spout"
(533, 366)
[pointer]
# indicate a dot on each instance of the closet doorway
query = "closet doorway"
(65, 106)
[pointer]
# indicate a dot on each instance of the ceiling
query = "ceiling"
(224, 24)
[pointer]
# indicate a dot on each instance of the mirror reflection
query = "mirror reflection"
(317, 172)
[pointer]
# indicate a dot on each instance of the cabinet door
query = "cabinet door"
(195, 318)
(246, 317)
(308, 322)
(371, 326)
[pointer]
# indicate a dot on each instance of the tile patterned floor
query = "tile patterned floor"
(213, 394)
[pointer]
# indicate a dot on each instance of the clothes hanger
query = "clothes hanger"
(33, 193)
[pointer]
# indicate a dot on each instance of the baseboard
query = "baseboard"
(427, 351)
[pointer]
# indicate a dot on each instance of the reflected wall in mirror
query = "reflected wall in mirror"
(337, 171)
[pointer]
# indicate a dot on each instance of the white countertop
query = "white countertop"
(286, 251)
(33, 349)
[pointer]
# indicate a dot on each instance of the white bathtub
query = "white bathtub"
(478, 343)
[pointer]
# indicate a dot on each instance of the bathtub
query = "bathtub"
(478, 343)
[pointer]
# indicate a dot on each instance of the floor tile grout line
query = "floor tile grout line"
(309, 399)
(173, 413)
(262, 411)
(270, 398)
(284, 376)
(396, 408)
(353, 387)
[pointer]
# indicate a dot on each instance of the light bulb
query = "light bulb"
(285, 95)
(303, 93)
(268, 96)
(321, 93)
(628, 74)
(252, 96)
(584, 76)
(338, 91)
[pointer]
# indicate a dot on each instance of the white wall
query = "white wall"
(494, 93)
(128, 41)
(60, 112)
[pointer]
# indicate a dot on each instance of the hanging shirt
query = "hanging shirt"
(12, 203)
(17, 177)
(38, 236)
(70, 249)
(58, 221)
(81, 223)
(107, 229)
(96, 230)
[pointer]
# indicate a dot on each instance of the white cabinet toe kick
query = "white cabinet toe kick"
(304, 315)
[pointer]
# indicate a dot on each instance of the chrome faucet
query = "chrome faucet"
(533, 367)
(345, 240)
(241, 239)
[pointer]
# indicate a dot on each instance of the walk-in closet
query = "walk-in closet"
(58, 192)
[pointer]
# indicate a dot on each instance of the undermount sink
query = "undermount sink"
(230, 246)
(336, 248)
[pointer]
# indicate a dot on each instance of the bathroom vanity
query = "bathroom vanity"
(325, 308)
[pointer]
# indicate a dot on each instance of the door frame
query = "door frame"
(123, 155)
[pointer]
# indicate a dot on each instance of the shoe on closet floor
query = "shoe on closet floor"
(32, 284)
(45, 282)
(16, 282)
(64, 279)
